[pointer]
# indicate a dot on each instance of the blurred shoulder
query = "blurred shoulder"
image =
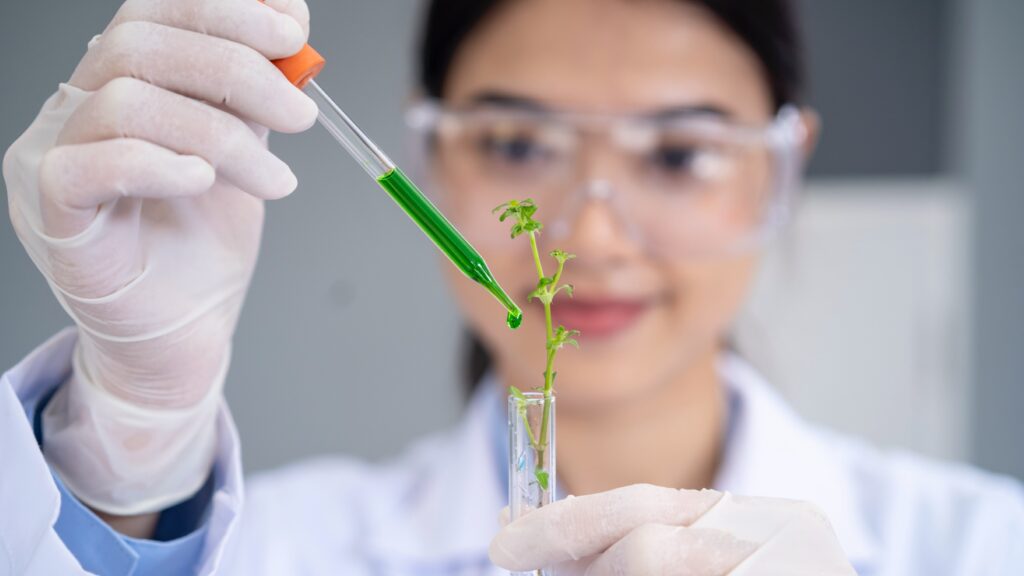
(325, 485)
(955, 518)
(313, 512)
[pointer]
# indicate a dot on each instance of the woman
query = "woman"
(660, 140)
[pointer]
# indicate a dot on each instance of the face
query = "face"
(644, 320)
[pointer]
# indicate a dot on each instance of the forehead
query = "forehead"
(611, 56)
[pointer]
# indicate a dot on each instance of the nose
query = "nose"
(597, 230)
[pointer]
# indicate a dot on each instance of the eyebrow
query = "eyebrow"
(521, 102)
(509, 100)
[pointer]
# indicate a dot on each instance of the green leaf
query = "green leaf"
(566, 287)
(520, 401)
(506, 210)
(561, 337)
(542, 478)
(543, 290)
(523, 211)
(562, 257)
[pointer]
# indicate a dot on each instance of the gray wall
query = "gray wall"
(345, 286)
(988, 151)
(877, 70)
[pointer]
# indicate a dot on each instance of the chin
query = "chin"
(599, 378)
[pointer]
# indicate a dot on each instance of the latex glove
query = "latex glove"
(646, 530)
(138, 193)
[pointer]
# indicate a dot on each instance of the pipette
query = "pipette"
(300, 70)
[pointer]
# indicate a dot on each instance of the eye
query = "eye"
(514, 149)
(674, 160)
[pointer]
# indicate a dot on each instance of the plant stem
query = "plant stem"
(540, 447)
(529, 429)
(536, 254)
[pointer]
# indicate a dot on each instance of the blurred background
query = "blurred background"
(893, 309)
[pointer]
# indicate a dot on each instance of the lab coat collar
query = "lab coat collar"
(32, 495)
(447, 520)
(771, 451)
(31, 490)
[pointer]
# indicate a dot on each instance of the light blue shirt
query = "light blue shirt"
(175, 548)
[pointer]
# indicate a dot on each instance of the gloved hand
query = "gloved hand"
(645, 530)
(138, 193)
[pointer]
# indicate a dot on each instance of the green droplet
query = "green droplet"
(514, 320)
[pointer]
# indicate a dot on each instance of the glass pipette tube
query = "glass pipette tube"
(402, 190)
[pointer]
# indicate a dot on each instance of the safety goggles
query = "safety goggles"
(681, 185)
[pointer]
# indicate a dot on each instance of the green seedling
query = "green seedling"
(521, 213)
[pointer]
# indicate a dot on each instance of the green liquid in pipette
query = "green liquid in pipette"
(447, 238)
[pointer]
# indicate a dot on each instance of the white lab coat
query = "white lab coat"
(434, 510)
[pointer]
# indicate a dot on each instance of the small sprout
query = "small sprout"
(521, 213)
(511, 208)
(567, 288)
(561, 257)
(562, 337)
(542, 290)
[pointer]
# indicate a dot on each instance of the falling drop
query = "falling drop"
(514, 320)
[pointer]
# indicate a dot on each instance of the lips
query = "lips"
(598, 318)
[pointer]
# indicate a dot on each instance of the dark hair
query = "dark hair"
(769, 27)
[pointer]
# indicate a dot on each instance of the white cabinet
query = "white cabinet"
(860, 314)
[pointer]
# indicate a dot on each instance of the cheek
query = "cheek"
(475, 304)
(706, 300)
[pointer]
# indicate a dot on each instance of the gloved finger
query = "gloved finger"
(504, 517)
(297, 9)
(218, 71)
(75, 179)
(578, 527)
(271, 32)
(131, 108)
(794, 537)
(658, 549)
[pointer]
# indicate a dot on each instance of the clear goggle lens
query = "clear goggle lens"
(687, 186)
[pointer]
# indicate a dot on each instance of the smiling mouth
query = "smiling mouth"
(599, 318)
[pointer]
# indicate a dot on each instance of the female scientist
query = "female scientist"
(662, 141)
